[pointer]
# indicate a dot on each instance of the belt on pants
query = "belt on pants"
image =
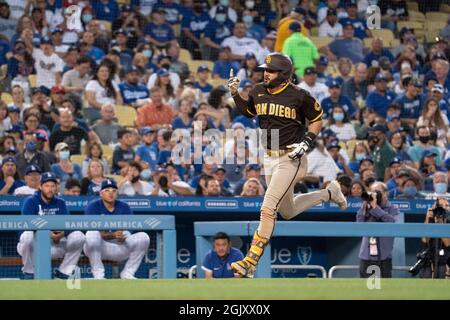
(278, 153)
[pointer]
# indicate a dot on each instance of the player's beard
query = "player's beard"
(45, 196)
(273, 83)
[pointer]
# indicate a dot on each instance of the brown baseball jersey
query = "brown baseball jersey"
(287, 110)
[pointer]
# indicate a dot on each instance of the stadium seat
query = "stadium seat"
(185, 55)
(218, 82)
(116, 177)
(434, 25)
(320, 42)
(412, 6)
(3, 71)
(385, 34)
(410, 24)
(367, 42)
(395, 43)
(123, 2)
(436, 16)
(444, 8)
(6, 98)
(126, 116)
(33, 80)
(416, 15)
(430, 36)
(314, 32)
(78, 159)
(106, 24)
(176, 30)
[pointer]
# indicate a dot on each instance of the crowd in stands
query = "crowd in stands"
(104, 97)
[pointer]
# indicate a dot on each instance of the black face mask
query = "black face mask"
(135, 179)
(369, 181)
(198, 8)
(424, 139)
(166, 66)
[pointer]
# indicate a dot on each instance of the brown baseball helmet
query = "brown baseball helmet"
(279, 62)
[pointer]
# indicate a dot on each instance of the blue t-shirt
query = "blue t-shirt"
(96, 53)
(93, 189)
(131, 93)
(221, 268)
(328, 104)
(4, 49)
(371, 59)
(217, 32)
(16, 184)
(34, 205)
(161, 33)
(173, 11)
(410, 108)
(222, 68)
(177, 123)
(349, 48)
(196, 23)
(108, 12)
(96, 207)
(63, 176)
(164, 156)
(149, 154)
(256, 32)
(359, 27)
(206, 89)
(380, 102)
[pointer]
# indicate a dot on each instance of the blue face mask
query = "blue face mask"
(146, 174)
(359, 156)
(410, 191)
(440, 187)
(338, 116)
(247, 19)
(30, 146)
(87, 17)
(64, 155)
(221, 18)
(224, 3)
(147, 53)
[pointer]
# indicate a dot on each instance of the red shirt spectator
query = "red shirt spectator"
(155, 114)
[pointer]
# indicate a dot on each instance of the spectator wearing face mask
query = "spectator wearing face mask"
(31, 155)
(360, 152)
(340, 124)
(415, 152)
(219, 28)
(230, 12)
(132, 184)
(440, 186)
(193, 27)
(65, 169)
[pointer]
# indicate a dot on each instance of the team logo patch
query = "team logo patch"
(268, 59)
(317, 106)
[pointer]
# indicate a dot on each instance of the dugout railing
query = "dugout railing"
(164, 225)
(204, 230)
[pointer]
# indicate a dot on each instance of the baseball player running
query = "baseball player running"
(297, 116)
(113, 245)
(66, 245)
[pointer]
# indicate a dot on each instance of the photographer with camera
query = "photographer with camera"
(376, 251)
(432, 261)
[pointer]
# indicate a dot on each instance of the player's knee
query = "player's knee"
(93, 238)
(27, 239)
(268, 213)
(140, 240)
(77, 238)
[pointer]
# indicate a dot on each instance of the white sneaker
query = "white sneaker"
(336, 194)
(127, 276)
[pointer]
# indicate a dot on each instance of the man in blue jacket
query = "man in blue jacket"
(65, 245)
(113, 245)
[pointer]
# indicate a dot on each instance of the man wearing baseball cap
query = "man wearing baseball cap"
(337, 99)
(49, 65)
(330, 27)
(131, 90)
(66, 245)
(410, 102)
(203, 76)
(316, 89)
(32, 180)
(113, 245)
(9, 176)
(347, 46)
(381, 97)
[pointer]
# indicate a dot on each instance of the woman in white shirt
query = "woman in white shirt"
(432, 117)
(99, 91)
(340, 125)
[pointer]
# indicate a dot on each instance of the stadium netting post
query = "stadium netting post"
(42, 225)
(204, 230)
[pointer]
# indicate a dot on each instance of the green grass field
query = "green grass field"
(252, 289)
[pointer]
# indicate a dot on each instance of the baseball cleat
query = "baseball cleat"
(243, 269)
(336, 194)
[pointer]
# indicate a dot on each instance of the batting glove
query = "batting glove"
(301, 148)
(233, 85)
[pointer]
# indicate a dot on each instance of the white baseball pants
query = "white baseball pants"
(133, 248)
(68, 248)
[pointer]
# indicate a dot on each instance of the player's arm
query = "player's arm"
(246, 108)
